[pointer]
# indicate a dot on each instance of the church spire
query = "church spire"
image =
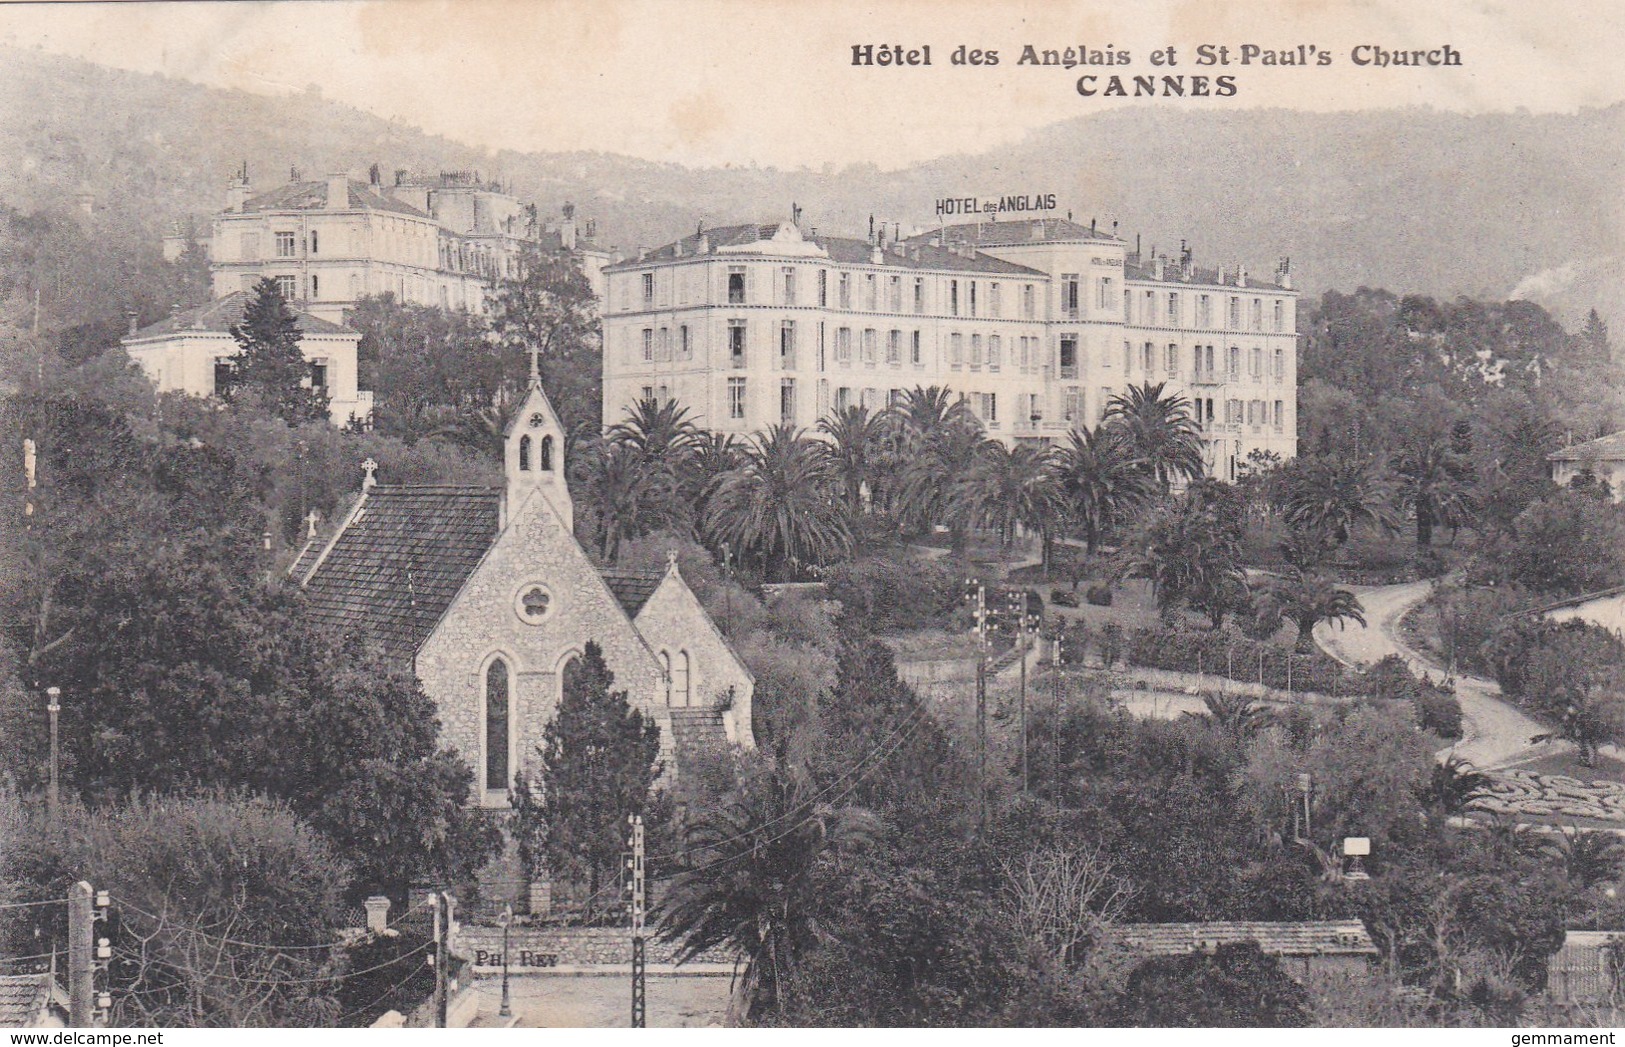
(535, 367)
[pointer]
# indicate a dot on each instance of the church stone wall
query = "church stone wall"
(484, 622)
(673, 620)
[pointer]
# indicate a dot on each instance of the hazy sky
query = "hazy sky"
(771, 82)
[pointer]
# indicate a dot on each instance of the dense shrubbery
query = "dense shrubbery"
(1437, 709)
(1548, 666)
(1215, 651)
(888, 594)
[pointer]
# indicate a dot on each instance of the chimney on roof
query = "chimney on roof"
(1241, 276)
(400, 176)
(1157, 266)
(134, 318)
(1114, 228)
(1136, 244)
(238, 192)
(1283, 273)
(705, 245)
(567, 227)
(375, 177)
(293, 174)
(677, 249)
(1091, 226)
(1221, 274)
(877, 254)
(338, 192)
(871, 228)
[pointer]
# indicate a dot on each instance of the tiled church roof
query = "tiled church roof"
(400, 562)
(23, 999)
(631, 590)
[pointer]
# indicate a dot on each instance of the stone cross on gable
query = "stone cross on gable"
(369, 481)
(312, 518)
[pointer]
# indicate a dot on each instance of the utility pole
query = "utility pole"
(1019, 605)
(81, 956)
(53, 706)
(981, 696)
(506, 919)
(1056, 711)
(441, 930)
(639, 1008)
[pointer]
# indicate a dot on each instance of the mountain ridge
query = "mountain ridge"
(1417, 200)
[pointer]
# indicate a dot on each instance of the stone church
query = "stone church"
(489, 596)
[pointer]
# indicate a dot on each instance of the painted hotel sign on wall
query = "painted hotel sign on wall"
(995, 205)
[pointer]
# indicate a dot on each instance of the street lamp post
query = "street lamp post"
(506, 919)
(53, 696)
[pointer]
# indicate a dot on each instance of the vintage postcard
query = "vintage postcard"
(546, 513)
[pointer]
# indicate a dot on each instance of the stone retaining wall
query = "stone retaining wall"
(545, 947)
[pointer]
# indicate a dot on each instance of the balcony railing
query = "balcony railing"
(1205, 376)
(1069, 371)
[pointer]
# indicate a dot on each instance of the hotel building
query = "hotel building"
(1036, 322)
(438, 240)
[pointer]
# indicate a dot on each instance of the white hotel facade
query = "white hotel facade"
(1036, 322)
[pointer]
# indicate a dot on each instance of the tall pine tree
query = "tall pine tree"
(269, 363)
(600, 759)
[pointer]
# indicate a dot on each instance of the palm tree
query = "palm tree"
(1433, 483)
(1453, 785)
(856, 446)
(1191, 552)
(1160, 431)
(1309, 599)
(657, 431)
(1237, 714)
(1588, 858)
(1100, 479)
(632, 495)
(750, 883)
(1333, 496)
(781, 506)
(714, 456)
(660, 435)
(935, 459)
(924, 411)
(1006, 488)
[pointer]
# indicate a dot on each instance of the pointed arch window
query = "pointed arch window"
(496, 724)
(547, 454)
(679, 680)
(665, 672)
(524, 454)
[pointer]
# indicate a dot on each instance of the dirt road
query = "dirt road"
(1494, 732)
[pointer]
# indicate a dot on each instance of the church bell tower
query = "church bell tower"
(533, 457)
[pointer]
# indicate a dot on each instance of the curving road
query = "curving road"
(1494, 732)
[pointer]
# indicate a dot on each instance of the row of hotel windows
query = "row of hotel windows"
(657, 348)
(878, 294)
(986, 405)
(963, 298)
(405, 289)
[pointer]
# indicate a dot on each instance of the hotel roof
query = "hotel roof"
(908, 254)
(1013, 231)
(1610, 448)
(222, 314)
(312, 196)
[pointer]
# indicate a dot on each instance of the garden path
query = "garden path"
(1494, 732)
